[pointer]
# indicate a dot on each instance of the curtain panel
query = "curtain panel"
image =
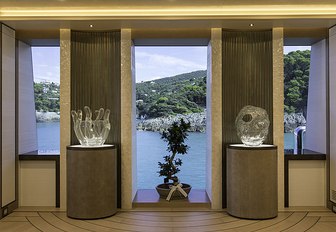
(247, 77)
(95, 76)
(247, 72)
(95, 82)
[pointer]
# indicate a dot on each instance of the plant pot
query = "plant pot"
(163, 190)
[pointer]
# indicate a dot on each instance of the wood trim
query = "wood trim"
(104, 147)
(1, 213)
(328, 203)
(270, 147)
(174, 33)
(16, 124)
(14, 204)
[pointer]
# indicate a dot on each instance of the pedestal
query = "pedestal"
(252, 182)
(91, 181)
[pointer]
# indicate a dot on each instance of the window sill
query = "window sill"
(197, 198)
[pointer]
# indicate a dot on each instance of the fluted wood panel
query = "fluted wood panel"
(247, 77)
(95, 79)
(247, 80)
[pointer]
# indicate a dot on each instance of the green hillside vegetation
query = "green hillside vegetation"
(186, 93)
(181, 94)
(296, 80)
(47, 97)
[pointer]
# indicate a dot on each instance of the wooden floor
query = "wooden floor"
(158, 221)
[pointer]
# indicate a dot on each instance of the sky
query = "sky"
(288, 49)
(150, 62)
(46, 64)
(157, 62)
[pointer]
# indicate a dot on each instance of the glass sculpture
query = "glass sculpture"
(252, 125)
(90, 132)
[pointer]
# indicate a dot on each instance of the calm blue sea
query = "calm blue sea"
(48, 137)
(150, 150)
(289, 141)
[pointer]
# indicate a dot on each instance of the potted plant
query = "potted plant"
(175, 137)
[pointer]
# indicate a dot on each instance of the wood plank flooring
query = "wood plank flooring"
(168, 221)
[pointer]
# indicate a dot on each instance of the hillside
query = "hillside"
(181, 94)
(47, 97)
(296, 81)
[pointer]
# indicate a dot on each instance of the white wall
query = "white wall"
(27, 118)
(8, 115)
(332, 112)
(307, 183)
(316, 109)
(208, 166)
(37, 183)
(134, 136)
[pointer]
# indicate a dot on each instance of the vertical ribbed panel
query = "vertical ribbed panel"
(95, 81)
(95, 76)
(247, 78)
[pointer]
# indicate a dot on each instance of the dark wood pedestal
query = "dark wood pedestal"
(252, 181)
(91, 181)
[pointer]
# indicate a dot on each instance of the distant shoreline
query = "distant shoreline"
(197, 122)
(47, 116)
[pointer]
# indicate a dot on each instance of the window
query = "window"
(170, 84)
(46, 72)
(296, 81)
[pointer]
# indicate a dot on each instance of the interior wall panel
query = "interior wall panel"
(332, 112)
(95, 80)
(316, 105)
(247, 73)
(27, 118)
(8, 164)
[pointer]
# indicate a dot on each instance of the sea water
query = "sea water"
(150, 150)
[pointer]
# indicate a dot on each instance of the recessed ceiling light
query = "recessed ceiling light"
(90, 25)
(251, 24)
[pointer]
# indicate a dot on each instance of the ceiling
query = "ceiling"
(39, 20)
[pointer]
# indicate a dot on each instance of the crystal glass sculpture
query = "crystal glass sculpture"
(91, 132)
(252, 125)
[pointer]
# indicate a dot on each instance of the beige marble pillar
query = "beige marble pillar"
(128, 146)
(65, 107)
(278, 108)
(214, 120)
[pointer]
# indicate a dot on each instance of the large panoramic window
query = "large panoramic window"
(170, 85)
(296, 80)
(46, 71)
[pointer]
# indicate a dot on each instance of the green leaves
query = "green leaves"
(175, 137)
(296, 80)
(47, 97)
(181, 94)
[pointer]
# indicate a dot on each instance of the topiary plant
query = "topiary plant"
(175, 137)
